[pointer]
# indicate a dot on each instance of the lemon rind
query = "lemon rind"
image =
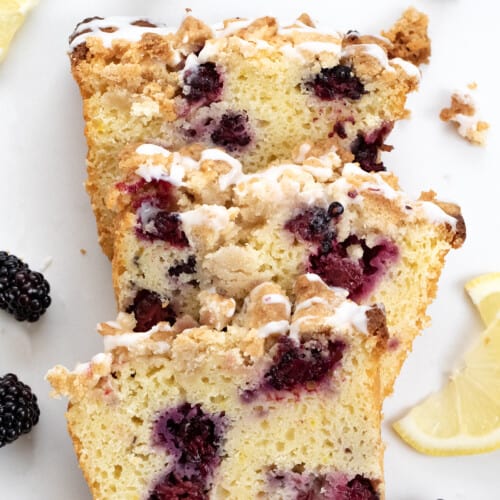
(482, 286)
(461, 444)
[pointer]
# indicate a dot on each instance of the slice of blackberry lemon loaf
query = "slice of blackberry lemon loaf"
(252, 87)
(286, 408)
(192, 221)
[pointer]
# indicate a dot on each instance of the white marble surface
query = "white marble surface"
(45, 216)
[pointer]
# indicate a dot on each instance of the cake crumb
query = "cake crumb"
(463, 114)
(83, 251)
(409, 37)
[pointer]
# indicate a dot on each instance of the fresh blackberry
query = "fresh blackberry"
(23, 292)
(19, 410)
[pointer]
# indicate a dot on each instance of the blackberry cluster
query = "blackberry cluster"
(23, 292)
(19, 410)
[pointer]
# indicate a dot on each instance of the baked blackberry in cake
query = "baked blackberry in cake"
(252, 87)
(287, 408)
(191, 221)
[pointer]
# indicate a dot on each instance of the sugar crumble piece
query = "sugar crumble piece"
(409, 37)
(463, 114)
(83, 251)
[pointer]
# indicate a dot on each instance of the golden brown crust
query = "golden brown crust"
(265, 304)
(111, 428)
(131, 91)
(423, 230)
(458, 233)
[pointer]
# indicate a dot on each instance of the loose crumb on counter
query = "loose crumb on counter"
(462, 112)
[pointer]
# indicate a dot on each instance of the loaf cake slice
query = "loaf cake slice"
(283, 404)
(252, 87)
(191, 221)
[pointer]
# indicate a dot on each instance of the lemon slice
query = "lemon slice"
(12, 14)
(484, 292)
(464, 417)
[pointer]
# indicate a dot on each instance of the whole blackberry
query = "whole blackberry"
(19, 410)
(23, 292)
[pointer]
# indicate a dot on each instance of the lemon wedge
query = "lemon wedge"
(12, 14)
(484, 292)
(464, 417)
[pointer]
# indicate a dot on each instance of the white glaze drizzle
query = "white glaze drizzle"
(232, 177)
(350, 314)
(321, 173)
(214, 216)
(274, 327)
(99, 359)
(303, 151)
(151, 172)
(278, 298)
(295, 326)
(313, 278)
(319, 47)
(310, 302)
(124, 30)
(177, 167)
(146, 213)
(271, 175)
(231, 27)
(371, 49)
(409, 68)
(437, 215)
(133, 340)
(219, 155)
(152, 149)
(432, 212)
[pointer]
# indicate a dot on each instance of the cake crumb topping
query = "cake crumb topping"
(409, 37)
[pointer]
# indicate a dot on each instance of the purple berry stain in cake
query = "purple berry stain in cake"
(193, 438)
(130, 188)
(331, 259)
(314, 224)
(184, 267)
(153, 223)
(164, 226)
(202, 84)
(149, 310)
(298, 365)
(338, 82)
(175, 487)
(231, 132)
(156, 217)
(358, 276)
(334, 486)
(366, 148)
(158, 192)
